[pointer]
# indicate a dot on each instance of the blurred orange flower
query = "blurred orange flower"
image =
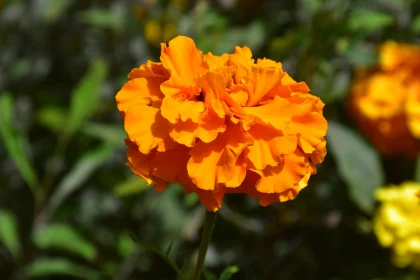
(221, 124)
(385, 100)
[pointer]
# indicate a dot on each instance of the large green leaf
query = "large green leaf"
(14, 141)
(66, 238)
(86, 95)
(369, 21)
(49, 267)
(78, 175)
(9, 233)
(358, 164)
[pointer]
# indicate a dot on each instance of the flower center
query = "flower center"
(200, 96)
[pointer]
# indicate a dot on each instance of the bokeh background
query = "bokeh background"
(71, 209)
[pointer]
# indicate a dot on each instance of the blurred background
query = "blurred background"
(71, 209)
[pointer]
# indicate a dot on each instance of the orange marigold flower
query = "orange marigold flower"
(385, 100)
(221, 124)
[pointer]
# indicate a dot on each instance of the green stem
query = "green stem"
(49, 176)
(209, 223)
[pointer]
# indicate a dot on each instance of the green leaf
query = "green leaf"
(54, 9)
(415, 26)
(228, 272)
(171, 262)
(358, 164)
(112, 134)
(208, 275)
(168, 250)
(360, 54)
(126, 245)
(54, 118)
(131, 186)
(86, 95)
(103, 18)
(369, 21)
(9, 236)
(78, 175)
(66, 238)
(14, 142)
(47, 267)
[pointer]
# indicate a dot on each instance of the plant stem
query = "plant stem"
(209, 223)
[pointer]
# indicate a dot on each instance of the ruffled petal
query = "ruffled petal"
(239, 94)
(269, 146)
(265, 62)
(148, 129)
(215, 61)
(169, 165)
(212, 200)
(213, 86)
(277, 113)
(242, 60)
(319, 154)
(281, 178)
(151, 69)
(137, 92)
(175, 110)
(216, 162)
(140, 165)
(311, 126)
(263, 80)
(184, 62)
(207, 130)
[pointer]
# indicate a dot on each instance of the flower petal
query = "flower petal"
(170, 164)
(206, 130)
(263, 80)
(216, 162)
(148, 129)
(216, 61)
(151, 69)
(213, 86)
(277, 113)
(184, 62)
(174, 110)
(242, 60)
(278, 179)
(269, 146)
(311, 126)
(139, 91)
(140, 164)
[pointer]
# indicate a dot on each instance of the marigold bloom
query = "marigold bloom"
(221, 124)
(385, 100)
(397, 223)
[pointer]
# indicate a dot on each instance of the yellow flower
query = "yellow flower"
(397, 223)
(221, 124)
(385, 100)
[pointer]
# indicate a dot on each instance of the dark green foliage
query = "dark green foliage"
(70, 208)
